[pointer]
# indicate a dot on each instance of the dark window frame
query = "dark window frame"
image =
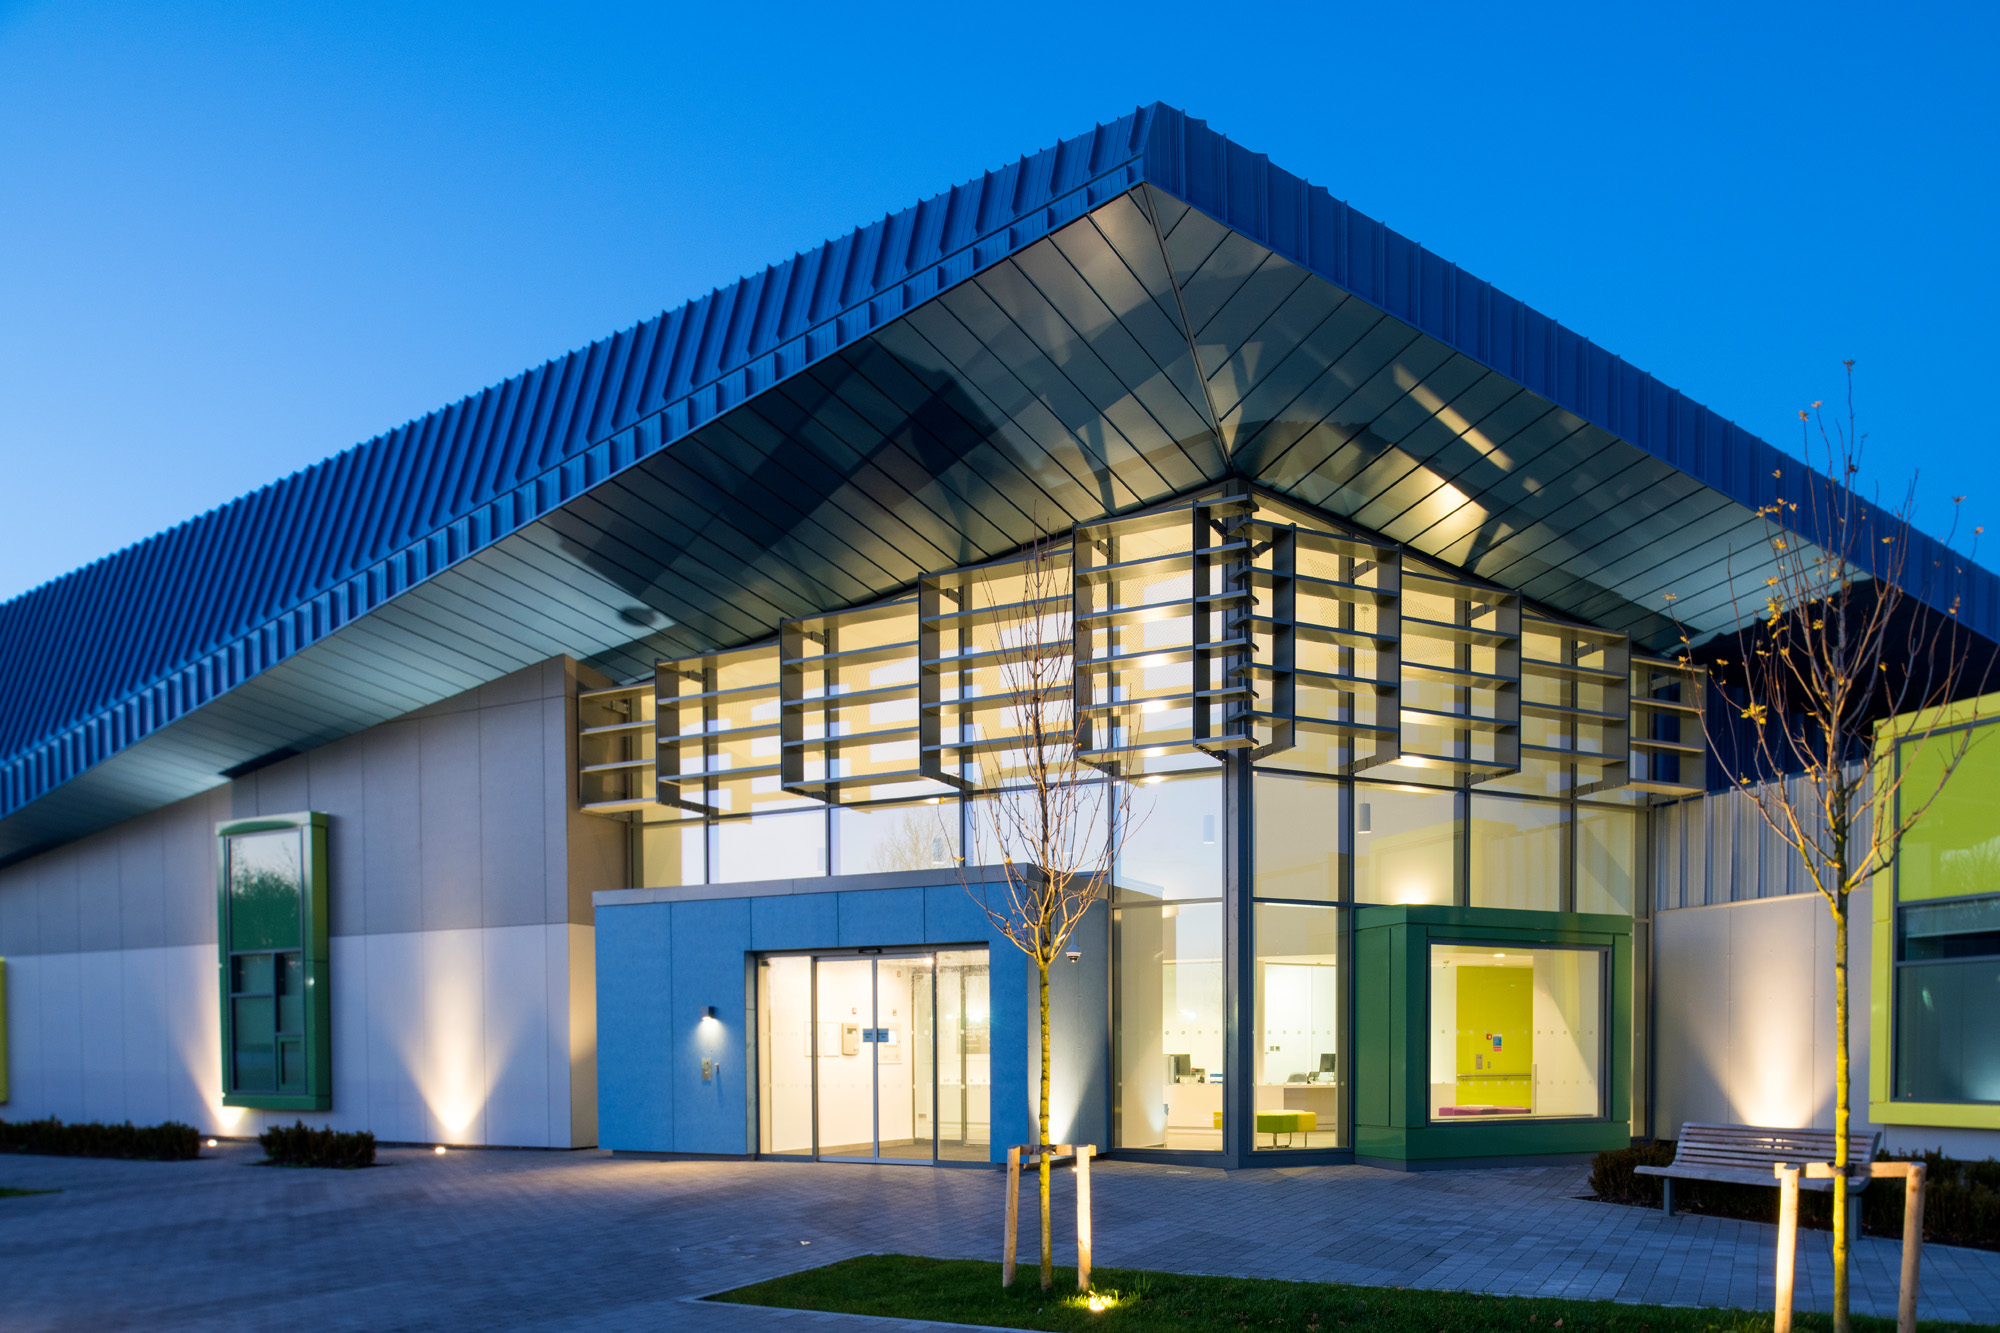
(312, 1039)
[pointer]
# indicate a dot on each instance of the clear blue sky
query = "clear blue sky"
(234, 240)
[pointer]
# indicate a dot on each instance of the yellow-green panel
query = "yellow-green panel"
(1954, 850)
(1496, 1035)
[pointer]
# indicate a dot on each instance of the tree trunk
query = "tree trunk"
(1842, 1112)
(1048, 1249)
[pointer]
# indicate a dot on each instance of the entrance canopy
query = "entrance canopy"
(1131, 315)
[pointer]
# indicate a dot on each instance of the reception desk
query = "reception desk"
(1191, 1112)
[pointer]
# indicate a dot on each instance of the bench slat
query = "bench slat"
(1729, 1177)
(1745, 1154)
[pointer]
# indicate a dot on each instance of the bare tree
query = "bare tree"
(1055, 821)
(1842, 679)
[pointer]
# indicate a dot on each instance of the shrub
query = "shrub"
(1961, 1199)
(1612, 1177)
(302, 1145)
(1961, 1202)
(169, 1142)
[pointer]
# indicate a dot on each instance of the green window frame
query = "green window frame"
(274, 963)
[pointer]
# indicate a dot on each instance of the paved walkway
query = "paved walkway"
(583, 1241)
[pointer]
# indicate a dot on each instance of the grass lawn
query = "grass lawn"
(967, 1292)
(6, 1193)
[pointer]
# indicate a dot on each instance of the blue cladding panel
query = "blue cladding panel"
(881, 917)
(103, 657)
(635, 1102)
(710, 941)
(951, 917)
(795, 921)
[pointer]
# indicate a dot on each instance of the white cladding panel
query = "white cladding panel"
(438, 1036)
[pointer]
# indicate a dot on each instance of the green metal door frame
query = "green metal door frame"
(1392, 1120)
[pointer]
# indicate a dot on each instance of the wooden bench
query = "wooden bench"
(1746, 1154)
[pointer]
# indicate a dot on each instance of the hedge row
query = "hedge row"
(170, 1142)
(302, 1145)
(1961, 1199)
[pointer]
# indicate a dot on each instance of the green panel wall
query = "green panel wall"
(1391, 1031)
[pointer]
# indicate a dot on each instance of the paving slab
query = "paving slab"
(587, 1241)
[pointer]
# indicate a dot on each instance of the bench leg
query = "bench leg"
(1667, 1195)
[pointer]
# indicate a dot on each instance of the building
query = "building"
(611, 757)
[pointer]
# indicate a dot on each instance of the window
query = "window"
(1606, 859)
(1298, 837)
(1175, 848)
(875, 839)
(1296, 1096)
(1404, 845)
(670, 854)
(1516, 1032)
(771, 846)
(275, 1017)
(1517, 853)
(1947, 990)
(1169, 1026)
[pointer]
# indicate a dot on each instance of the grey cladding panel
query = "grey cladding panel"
(514, 774)
(449, 790)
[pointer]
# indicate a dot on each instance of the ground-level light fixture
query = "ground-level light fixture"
(439, 1150)
(211, 1143)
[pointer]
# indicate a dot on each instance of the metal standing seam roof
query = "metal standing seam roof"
(98, 660)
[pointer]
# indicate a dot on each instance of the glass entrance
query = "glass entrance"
(874, 1058)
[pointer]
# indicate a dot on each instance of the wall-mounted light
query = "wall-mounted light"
(708, 1014)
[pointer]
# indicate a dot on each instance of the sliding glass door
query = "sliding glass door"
(877, 1058)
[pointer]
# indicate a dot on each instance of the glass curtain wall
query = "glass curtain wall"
(1416, 737)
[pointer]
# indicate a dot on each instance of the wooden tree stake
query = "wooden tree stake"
(1083, 1153)
(1913, 1244)
(1010, 1241)
(1788, 1243)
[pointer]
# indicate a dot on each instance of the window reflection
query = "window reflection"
(789, 846)
(878, 839)
(1174, 850)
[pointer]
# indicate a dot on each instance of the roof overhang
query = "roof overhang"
(1126, 317)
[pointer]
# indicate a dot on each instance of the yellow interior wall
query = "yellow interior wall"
(1495, 1001)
